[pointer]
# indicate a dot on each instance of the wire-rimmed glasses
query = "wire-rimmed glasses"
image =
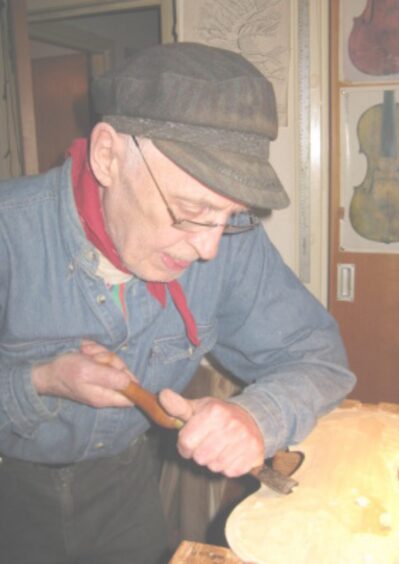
(243, 221)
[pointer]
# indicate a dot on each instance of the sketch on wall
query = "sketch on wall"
(257, 29)
(370, 170)
(369, 40)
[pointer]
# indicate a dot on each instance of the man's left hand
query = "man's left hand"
(220, 435)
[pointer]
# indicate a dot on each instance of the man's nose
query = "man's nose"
(206, 243)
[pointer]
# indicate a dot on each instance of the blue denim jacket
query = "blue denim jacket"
(252, 313)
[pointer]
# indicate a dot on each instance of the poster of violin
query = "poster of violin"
(369, 169)
(369, 38)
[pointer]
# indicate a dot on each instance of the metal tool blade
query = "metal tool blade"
(276, 471)
(274, 479)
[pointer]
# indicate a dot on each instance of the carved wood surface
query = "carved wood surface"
(346, 507)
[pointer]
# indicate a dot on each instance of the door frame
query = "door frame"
(100, 50)
(46, 10)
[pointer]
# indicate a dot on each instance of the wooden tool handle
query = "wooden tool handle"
(144, 399)
(149, 403)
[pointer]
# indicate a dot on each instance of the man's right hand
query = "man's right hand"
(92, 376)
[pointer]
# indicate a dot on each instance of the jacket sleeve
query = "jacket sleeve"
(22, 410)
(281, 343)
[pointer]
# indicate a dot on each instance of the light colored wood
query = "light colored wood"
(346, 507)
(369, 325)
(24, 83)
(198, 553)
(167, 22)
(99, 64)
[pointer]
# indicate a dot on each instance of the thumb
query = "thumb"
(176, 405)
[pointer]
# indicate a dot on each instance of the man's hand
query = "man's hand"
(220, 435)
(92, 376)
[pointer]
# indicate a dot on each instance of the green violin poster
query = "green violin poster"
(370, 169)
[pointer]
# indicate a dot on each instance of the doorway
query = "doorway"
(65, 57)
(49, 23)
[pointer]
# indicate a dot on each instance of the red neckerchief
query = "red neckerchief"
(87, 199)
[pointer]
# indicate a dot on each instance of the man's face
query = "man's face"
(140, 225)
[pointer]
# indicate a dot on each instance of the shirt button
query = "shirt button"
(90, 255)
(101, 299)
(190, 351)
(99, 445)
(71, 267)
(124, 347)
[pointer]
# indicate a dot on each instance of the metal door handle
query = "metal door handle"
(346, 282)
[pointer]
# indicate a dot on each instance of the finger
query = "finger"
(227, 459)
(105, 397)
(204, 450)
(110, 359)
(89, 342)
(91, 347)
(176, 405)
(231, 463)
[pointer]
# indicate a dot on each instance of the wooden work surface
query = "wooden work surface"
(198, 553)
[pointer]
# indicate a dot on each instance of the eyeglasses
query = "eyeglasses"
(243, 221)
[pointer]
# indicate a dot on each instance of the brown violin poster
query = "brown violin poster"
(369, 40)
(370, 169)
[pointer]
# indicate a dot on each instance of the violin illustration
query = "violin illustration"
(374, 208)
(373, 45)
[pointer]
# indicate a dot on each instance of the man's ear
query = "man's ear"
(104, 151)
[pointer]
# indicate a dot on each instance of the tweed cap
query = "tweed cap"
(207, 109)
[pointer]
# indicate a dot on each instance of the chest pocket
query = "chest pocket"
(174, 360)
(169, 350)
(39, 350)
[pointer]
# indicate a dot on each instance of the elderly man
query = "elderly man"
(144, 243)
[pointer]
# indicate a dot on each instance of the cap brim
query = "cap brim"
(246, 179)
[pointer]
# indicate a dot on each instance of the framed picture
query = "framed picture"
(257, 29)
(369, 40)
(369, 176)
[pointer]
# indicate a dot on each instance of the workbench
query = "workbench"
(198, 553)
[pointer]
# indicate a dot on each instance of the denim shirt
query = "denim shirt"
(252, 314)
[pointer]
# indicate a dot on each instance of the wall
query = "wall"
(300, 231)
